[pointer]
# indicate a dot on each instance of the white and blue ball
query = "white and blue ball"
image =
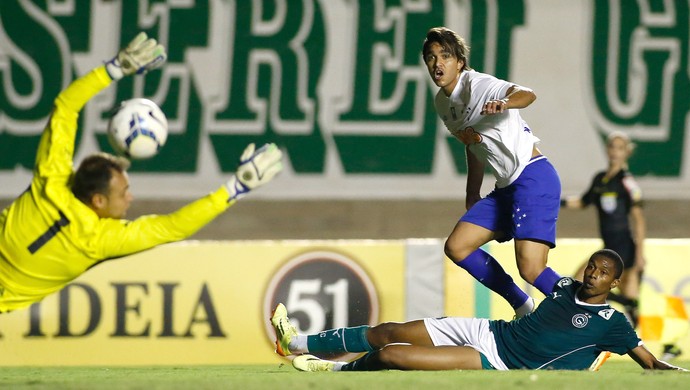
(138, 129)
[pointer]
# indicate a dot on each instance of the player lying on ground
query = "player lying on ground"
(67, 222)
(568, 331)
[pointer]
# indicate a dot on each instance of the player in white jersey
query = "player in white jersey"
(505, 142)
(482, 112)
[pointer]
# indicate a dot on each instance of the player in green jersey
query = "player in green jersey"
(568, 331)
(67, 222)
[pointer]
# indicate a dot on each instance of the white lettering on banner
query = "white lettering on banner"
(340, 85)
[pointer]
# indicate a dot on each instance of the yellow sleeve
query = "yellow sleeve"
(122, 237)
(56, 148)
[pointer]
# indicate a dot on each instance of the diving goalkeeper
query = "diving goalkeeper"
(67, 222)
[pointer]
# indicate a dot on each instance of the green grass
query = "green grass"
(614, 375)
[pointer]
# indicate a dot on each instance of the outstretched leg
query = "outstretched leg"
(351, 339)
(362, 338)
(399, 357)
(414, 357)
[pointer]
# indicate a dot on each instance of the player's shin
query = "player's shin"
(340, 340)
(483, 267)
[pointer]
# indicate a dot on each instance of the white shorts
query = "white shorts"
(470, 332)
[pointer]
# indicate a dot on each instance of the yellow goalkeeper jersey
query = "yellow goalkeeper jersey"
(48, 237)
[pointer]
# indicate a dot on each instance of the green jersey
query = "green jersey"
(564, 333)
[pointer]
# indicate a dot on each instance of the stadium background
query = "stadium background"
(340, 85)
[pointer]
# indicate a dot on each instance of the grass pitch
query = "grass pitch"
(620, 374)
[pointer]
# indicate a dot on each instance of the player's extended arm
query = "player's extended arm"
(646, 360)
(475, 177)
(516, 97)
(582, 201)
(256, 168)
(519, 97)
(56, 148)
(572, 202)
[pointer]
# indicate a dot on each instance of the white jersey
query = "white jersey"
(503, 141)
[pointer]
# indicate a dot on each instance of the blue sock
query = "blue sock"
(489, 272)
(340, 340)
(546, 281)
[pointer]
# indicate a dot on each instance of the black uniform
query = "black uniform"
(614, 198)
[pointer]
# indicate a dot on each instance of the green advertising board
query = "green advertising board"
(341, 87)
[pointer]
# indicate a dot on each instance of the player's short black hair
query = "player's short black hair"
(613, 256)
(94, 174)
(449, 40)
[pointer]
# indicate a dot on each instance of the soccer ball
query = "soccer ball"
(138, 129)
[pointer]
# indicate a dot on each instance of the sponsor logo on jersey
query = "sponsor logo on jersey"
(565, 282)
(606, 313)
(609, 202)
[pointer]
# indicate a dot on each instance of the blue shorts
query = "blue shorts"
(527, 209)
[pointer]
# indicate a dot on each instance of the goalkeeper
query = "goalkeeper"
(67, 222)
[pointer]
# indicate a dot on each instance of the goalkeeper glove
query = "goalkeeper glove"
(140, 56)
(257, 167)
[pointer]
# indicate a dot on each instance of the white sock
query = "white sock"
(298, 344)
(338, 366)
